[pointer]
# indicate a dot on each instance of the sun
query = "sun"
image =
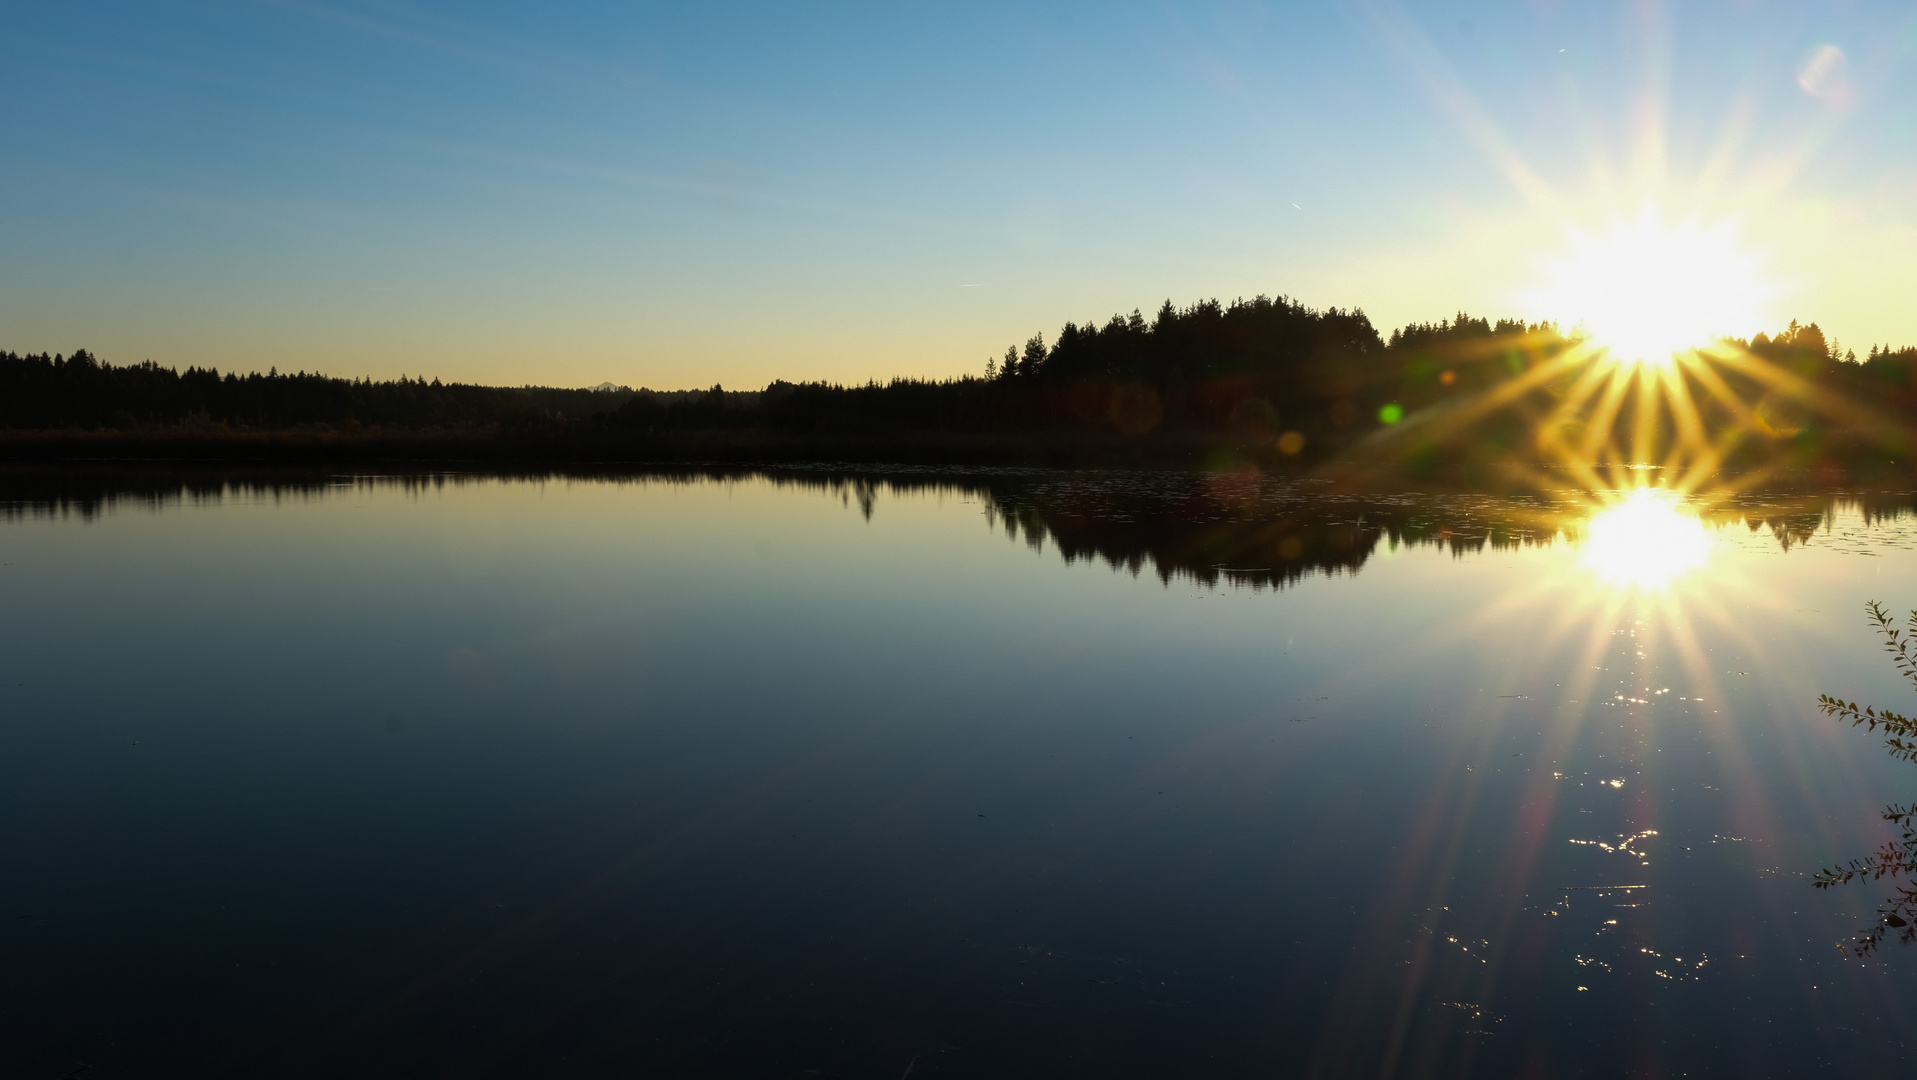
(1646, 292)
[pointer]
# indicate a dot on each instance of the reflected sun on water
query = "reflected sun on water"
(1645, 540)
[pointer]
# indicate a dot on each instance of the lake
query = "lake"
(803, 773)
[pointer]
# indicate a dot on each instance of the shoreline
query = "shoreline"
(44, 455)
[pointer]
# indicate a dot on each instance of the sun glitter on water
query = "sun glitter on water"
(1647, 292)
(1645, 540)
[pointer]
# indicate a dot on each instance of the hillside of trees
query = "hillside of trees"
(1270, 376)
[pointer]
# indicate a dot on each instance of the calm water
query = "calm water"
(936, 775)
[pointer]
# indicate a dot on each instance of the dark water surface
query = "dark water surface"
(1013, 774)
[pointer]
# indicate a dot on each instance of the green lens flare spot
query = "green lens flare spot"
(1391, 413)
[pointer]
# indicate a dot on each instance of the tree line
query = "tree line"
(80, 391)
(1268, 372)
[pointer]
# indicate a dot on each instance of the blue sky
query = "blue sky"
(687, 194)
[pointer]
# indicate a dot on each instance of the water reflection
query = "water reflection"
(1645, 540)
(1242, 529)
(804, 771)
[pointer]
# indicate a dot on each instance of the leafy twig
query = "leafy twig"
(1893, 860)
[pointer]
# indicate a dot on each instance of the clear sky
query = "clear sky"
(677, 195)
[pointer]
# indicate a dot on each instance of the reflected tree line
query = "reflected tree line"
(1259, 532)
(1242, 528)
(1269, 379)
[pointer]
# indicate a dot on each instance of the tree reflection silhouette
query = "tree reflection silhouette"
(1240, 528)
(1258, 531)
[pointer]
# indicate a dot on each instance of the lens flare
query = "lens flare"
(1644, 540)
(1646, 292)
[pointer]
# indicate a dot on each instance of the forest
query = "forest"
(1272, 378)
